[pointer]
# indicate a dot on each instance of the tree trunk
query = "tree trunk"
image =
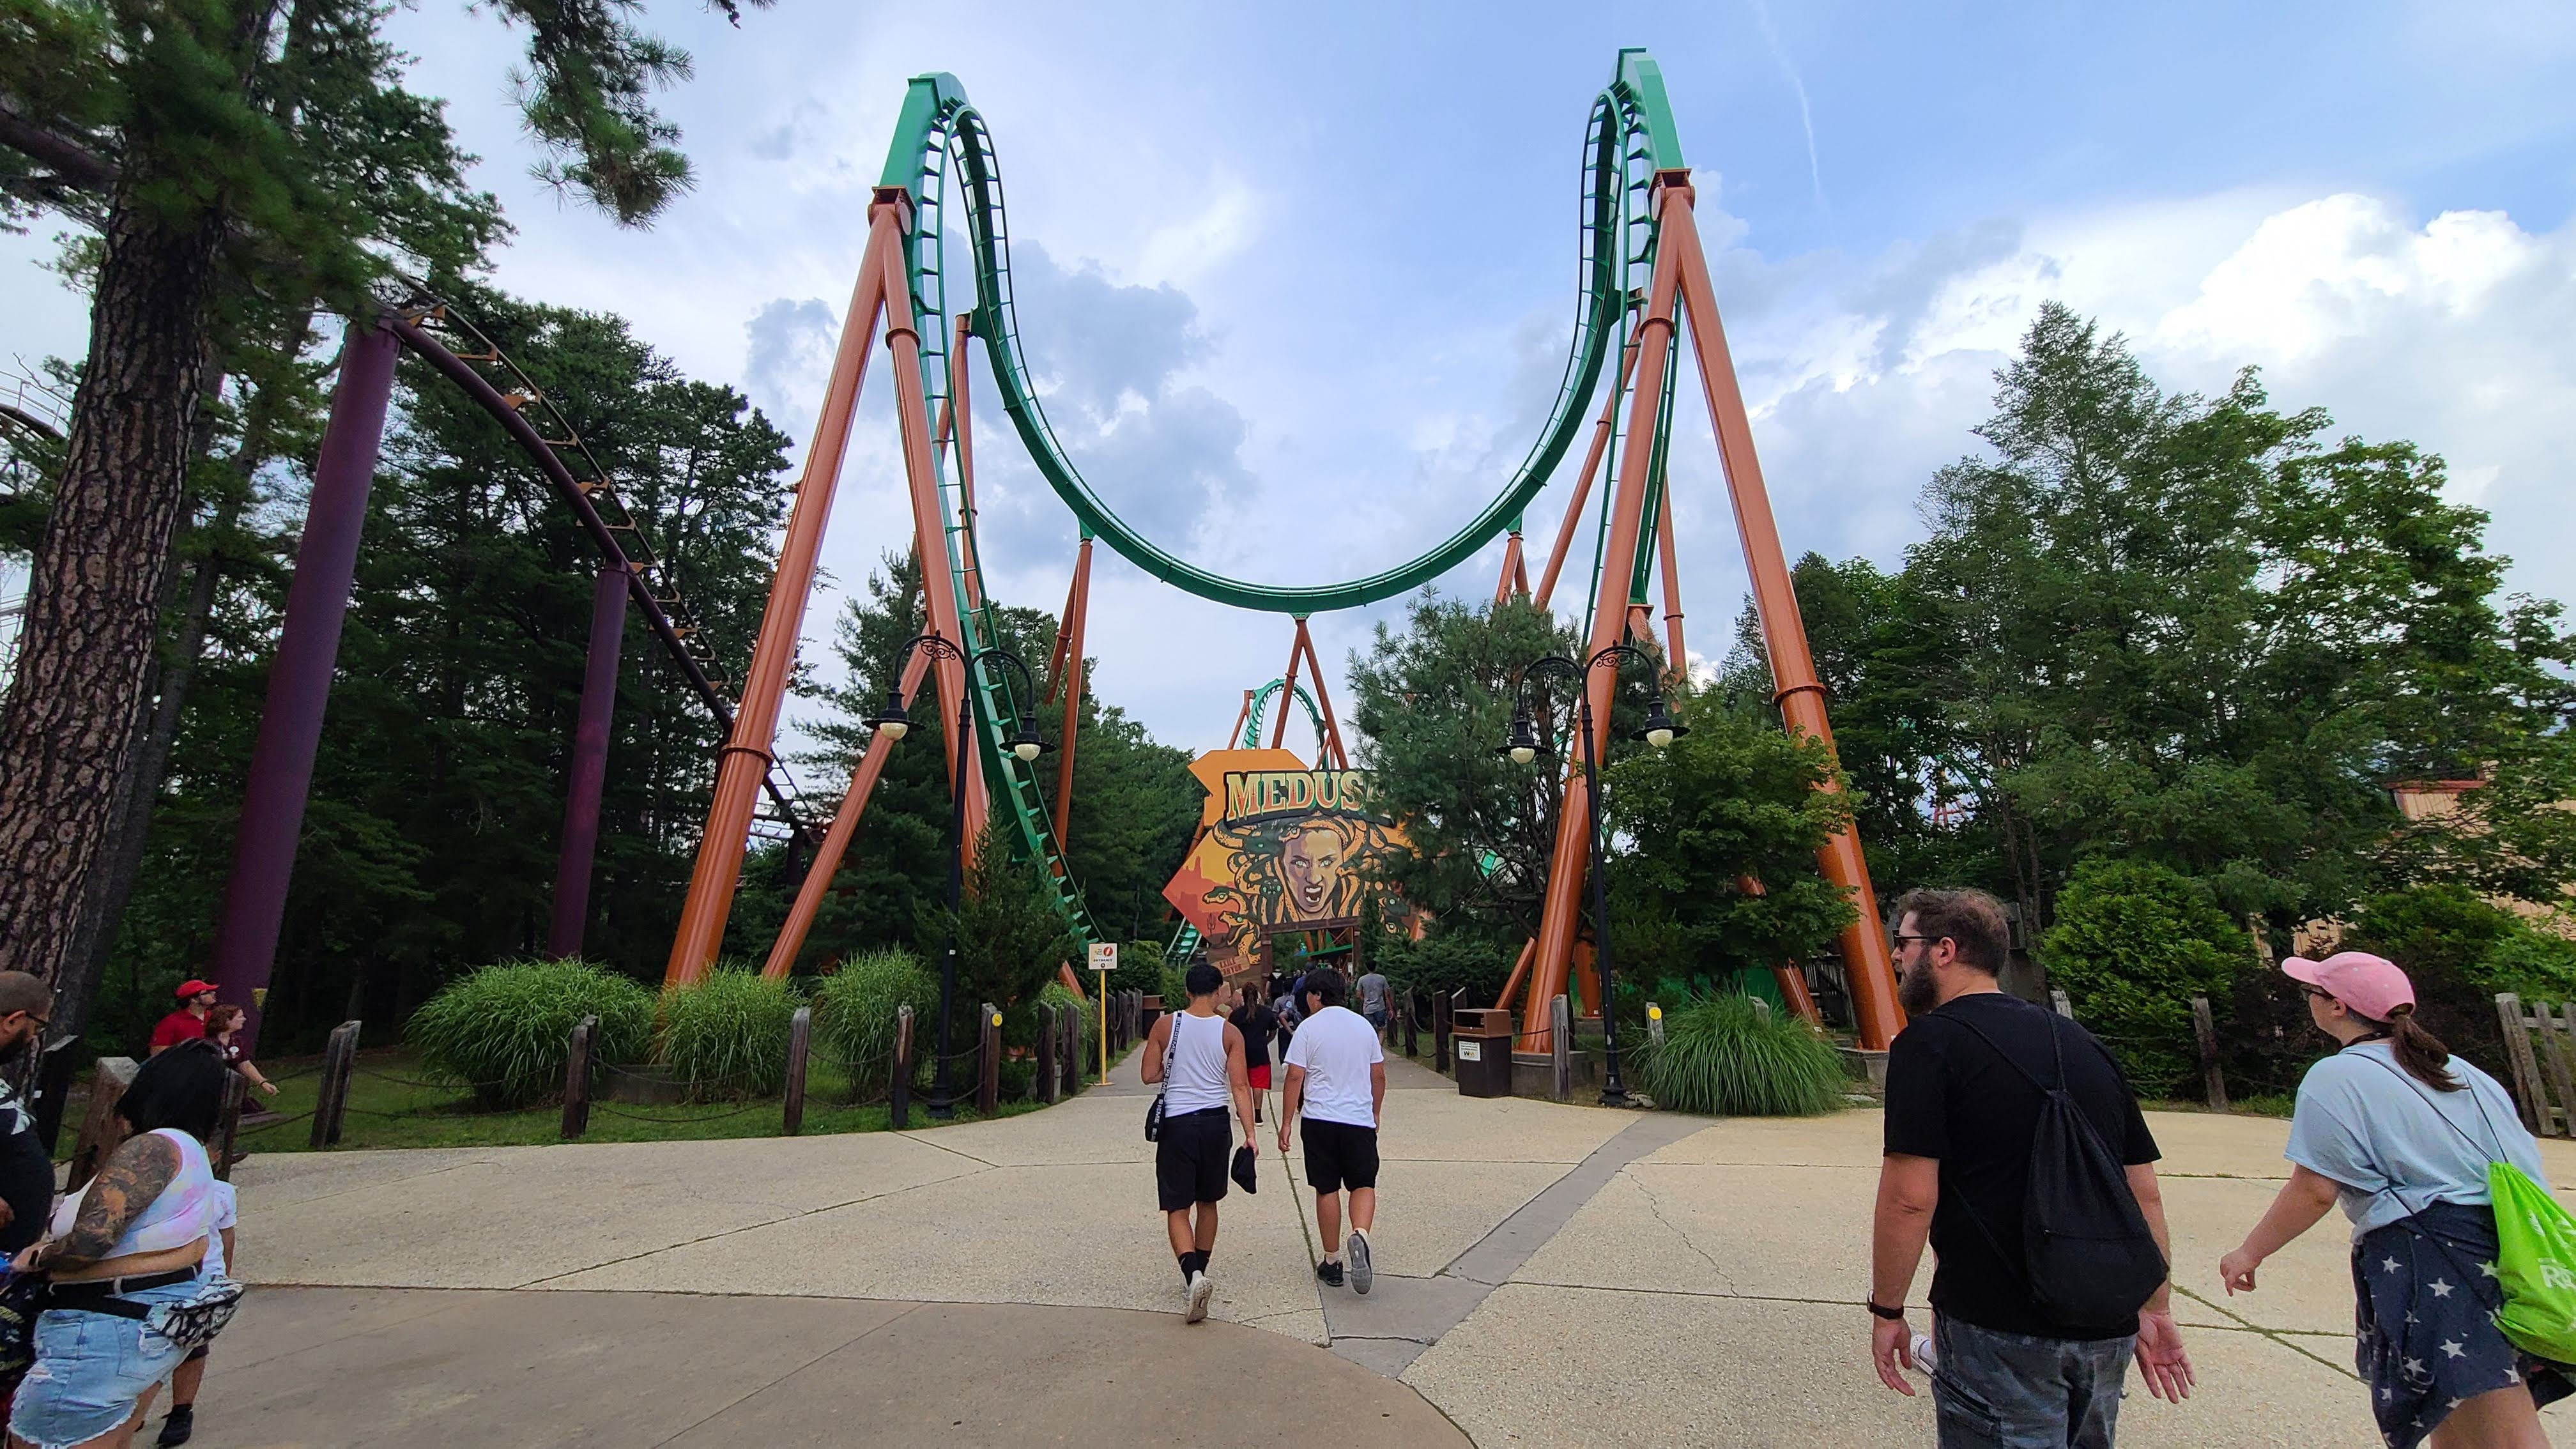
(67, 727)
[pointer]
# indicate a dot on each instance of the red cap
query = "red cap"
(2370, 985)
(192, 986)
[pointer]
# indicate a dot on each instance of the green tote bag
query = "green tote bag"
(2535, 1247)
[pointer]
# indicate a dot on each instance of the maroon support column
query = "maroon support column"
(589, 766)
(299, 681)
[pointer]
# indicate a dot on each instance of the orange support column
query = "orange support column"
(1077, 610)
(1676, 659)
(745, 760)
(836, 841)
(1784, 636)
(1572, 856)
(929, 520)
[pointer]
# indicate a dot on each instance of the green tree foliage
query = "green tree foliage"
(1734, 798)
(438, 789)
(1009, 938)
(1135, 804)
(238, 164)
(2134, 942)
(2191, 631)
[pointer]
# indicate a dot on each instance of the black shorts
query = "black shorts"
(1339, 1155)
(1191, 1158)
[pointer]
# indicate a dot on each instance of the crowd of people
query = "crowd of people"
(117, 1288)
(2016, 1151)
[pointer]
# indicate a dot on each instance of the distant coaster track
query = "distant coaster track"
(427, 325)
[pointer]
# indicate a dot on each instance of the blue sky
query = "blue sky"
(1299, 277)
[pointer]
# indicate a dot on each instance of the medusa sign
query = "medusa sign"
(1282, 847)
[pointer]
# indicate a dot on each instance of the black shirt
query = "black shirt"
(1257, 1022)
(26, 1175)
(1950, 1097)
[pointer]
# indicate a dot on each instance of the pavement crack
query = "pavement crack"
(2276, 1335)
(1655, 1205)
(923, 1138)
(759, 1389)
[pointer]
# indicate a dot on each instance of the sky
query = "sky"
(1298, 281)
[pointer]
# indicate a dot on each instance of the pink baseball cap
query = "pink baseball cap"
(2371, 985)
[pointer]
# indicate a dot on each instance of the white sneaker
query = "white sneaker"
(1201, 1290)
(1355, 1248)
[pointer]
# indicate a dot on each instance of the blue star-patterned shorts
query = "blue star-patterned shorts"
(2425, 1300)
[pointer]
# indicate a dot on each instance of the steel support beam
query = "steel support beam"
(580, 841)
(299, 680)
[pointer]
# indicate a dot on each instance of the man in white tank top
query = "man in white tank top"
(1198, 1056)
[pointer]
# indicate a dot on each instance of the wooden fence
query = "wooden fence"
(2544, 1086)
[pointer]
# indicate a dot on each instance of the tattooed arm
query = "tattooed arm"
(137, 1172)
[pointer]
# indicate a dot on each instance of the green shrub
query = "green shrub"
(506, 1029)
(1726, 1056)
(1140, 967)
(1175, 988)
(2134, 942)
(727, 1035)
(855, 1011)
(2459, 950)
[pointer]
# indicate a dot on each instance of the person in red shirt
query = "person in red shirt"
(188, 1023)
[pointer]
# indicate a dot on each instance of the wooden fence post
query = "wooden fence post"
(98, 1136)
(899, 1085)
(1654, 1023)
(1071, 1056)
(988, 1061)
(1412, 1023)
(2526, 1070)
(1440, 1031)
(2064, 1007)
(339, 1058)
(228, 1126)
(1560, 1049)
(1048, 1083)
(2554, 1053)
(576, 1111)
(2213, 1082)
(800, 1041)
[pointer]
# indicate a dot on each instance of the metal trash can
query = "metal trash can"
(1482, 1040)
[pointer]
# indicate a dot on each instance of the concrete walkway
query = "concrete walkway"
(1547, 1275)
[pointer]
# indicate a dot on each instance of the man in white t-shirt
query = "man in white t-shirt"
(1337, 1075)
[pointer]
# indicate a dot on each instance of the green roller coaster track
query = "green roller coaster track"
(1260, 706)
(1630, 137)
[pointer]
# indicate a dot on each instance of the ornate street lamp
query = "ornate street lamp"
(893, 723)
(1659, 730)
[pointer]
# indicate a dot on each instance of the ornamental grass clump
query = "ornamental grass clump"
(1727, 1057)
(726, 1035)
(505, 1030)
(855, 1011)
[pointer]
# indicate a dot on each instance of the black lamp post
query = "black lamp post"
(893, 723)
(1659, 730)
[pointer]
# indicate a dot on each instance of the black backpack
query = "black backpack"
(2089, 1257)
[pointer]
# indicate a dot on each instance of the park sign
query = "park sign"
(1282, 848)
(1104, 956)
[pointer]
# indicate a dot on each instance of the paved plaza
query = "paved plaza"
(1548, 1275)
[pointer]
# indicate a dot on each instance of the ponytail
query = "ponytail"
(2420, 1052)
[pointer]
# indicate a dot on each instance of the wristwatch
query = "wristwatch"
(1892, 1315)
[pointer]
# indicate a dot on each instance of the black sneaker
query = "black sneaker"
(1330, 1274)
(179, 1427)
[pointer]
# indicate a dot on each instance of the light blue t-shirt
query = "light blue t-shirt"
(2396, 1146)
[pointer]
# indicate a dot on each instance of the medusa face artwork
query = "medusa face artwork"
(1282, 848)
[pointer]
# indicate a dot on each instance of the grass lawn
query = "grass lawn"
(391, 1104)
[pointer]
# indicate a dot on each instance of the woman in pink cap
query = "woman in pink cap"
(2400, 1132)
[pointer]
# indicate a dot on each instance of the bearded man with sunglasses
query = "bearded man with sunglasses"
(1963, 1108)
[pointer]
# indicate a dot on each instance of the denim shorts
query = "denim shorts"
(91, 1368)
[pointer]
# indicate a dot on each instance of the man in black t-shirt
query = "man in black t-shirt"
(1960, 1121)
(26, 1172)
